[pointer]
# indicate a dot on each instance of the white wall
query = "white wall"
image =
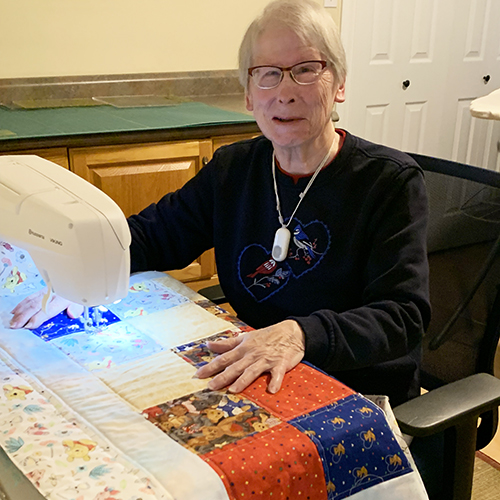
(88, 37)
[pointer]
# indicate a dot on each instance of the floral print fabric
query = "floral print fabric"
(58, 457)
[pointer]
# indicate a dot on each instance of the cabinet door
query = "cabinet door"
(56, 155)
(137, 175)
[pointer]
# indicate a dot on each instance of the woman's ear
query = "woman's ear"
(248, 101)
(340, 94)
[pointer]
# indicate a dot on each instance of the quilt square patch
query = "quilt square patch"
(62, 324)
(356, 445)
(18, 273)
(117, 344)
(304, 389)
(280, 462)
(146, 297)
(211, 307)
(223, 314)
(206, 420)
(236, 322)
(197, 353)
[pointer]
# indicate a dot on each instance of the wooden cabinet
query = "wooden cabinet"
(140, 174)
(56, 155)
(137, 175)
(224, 140)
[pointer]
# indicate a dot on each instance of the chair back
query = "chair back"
(464, 263)
(464, 260)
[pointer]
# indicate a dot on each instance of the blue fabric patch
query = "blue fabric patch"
(353, 461)
(62, 324)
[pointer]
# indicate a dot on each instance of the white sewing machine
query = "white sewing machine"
(77, 236)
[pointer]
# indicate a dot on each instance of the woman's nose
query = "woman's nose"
(287, 88)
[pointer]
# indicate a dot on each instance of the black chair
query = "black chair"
(460, 344)
(213, 293)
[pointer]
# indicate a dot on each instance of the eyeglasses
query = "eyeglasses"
(303, 73)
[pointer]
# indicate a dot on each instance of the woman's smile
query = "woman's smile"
(287, 120)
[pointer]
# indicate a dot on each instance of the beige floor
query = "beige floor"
(492, 450)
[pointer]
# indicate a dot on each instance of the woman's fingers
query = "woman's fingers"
(277, 376)
(237, 376)
(228, 356)
(26, 309)
(276, 349)
(29, 313)
(221, 346)
(55, 306)
(74, 310)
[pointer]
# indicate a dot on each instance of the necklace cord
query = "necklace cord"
(301, 195)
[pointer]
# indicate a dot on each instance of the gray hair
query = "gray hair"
(309, 21)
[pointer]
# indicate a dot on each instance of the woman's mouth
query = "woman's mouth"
(285, 120)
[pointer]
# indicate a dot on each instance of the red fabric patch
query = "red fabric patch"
(303, 390)
(281, 461)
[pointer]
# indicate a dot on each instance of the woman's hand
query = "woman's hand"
(275, 349)
(29, 314)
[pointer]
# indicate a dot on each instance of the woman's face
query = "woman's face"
(291, 115)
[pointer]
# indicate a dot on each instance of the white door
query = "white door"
(414, 67)
(474, 71)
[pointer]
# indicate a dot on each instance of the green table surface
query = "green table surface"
(53, 122)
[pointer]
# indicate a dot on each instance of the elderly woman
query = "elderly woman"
(319, 236)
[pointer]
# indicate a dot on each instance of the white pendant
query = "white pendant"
(281, 243)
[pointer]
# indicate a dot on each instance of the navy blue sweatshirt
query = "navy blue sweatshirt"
(356, 275)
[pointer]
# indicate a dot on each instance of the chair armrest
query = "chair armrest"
(449, 405)
(213, 293)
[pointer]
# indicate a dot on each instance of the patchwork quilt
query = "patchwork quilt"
(116, 412)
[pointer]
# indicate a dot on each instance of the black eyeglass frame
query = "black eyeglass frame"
(324, 64)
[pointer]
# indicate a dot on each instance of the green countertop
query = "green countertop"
(76, 121)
